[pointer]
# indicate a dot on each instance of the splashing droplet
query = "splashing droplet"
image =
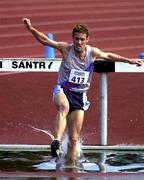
(48, 132)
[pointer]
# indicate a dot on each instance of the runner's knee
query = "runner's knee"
(64, 108)
(73, 141)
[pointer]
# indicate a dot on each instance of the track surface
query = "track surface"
(26, 98)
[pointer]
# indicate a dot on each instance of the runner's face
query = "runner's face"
(80, 40)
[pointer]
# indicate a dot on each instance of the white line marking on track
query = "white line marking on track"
(10, 73)
(76, 20)
(125, 47)
(91, 40)
(97, 29)
(76, 12)
(62, 6)
(27, 2)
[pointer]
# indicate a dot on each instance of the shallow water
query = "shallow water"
(106, 161)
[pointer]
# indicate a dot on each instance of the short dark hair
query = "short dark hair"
(81, 28)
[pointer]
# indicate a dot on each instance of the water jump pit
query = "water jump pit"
(93, 161)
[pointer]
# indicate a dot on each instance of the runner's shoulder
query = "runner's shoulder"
(96, 52)
(64, 45)
(64, 49)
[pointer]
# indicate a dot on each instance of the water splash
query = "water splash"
(48, 132)
(60, 163)
(64, 142)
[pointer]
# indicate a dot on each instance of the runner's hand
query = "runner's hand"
(27, 23)
(139, 62)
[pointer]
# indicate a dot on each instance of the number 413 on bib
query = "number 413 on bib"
(79, 77)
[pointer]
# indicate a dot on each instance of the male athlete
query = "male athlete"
(75, 73)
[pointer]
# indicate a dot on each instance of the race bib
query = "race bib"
(79, 77)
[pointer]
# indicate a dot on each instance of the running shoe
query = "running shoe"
(55, 148)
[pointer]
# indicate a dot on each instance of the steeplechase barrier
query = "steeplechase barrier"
(52, 65)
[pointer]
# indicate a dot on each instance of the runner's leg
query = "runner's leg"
(62, 105)
(75, 122)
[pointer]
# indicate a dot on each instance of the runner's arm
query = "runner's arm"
(41, 37)
(115, 57)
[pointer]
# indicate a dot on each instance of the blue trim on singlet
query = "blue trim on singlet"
(68, 85)
(90, 68)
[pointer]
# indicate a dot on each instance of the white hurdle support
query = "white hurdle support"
(52, 65)
(104, 67)
(103, 108)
